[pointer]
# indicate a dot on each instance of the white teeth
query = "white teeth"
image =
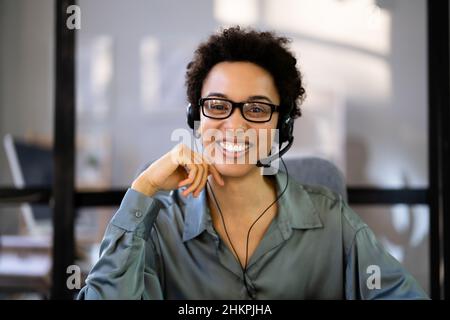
(233, 147)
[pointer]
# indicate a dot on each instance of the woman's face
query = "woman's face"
(235, 143)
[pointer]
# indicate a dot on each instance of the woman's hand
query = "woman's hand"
(179, 167)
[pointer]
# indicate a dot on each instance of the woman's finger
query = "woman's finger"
(195, 161)
(203, 181)
(197, 180)
(192, 172)
(201, 161)
(187, 161)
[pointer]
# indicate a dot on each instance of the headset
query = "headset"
(285, 126)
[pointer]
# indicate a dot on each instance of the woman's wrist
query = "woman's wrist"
(143, 187)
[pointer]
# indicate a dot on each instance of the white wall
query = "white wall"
(26, 80)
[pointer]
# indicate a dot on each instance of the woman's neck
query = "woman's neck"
(243, 197)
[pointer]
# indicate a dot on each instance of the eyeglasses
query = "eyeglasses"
(219, 108)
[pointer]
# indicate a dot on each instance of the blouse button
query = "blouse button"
(138, 214)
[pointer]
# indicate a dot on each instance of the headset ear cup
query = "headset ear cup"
(290, 129)
(192, 114)
(188, 115)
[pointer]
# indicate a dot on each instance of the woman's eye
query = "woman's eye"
(217, 106)
(256, 109)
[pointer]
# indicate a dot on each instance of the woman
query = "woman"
(227, 231)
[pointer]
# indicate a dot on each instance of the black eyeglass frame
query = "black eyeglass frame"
(234, 105)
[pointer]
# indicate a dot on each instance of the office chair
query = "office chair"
(317, 172)
(31, 166)
(25, 261)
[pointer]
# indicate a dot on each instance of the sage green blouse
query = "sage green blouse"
(165, 247)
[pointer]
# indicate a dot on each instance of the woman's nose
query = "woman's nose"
(236, 120)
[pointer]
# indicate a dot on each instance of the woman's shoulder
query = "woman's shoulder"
(333, 207)
(322, 197)
(321, 192)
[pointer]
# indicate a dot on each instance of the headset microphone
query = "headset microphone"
(267, 161)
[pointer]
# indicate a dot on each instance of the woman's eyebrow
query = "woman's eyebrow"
(216, 94)
(251, 98)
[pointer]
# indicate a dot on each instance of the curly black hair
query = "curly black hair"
(264, 49)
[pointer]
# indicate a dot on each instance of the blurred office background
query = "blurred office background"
(364, 64)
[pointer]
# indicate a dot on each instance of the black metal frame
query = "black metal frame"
(437, 196)
(438, 144)
(63, 152)
(369, 196)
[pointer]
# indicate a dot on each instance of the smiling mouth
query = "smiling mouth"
(234, 149)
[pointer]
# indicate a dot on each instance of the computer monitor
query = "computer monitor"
(31, 166)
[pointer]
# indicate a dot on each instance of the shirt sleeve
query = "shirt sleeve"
(372, 273)
(126, 267)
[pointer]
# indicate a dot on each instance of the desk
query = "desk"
(25, 264)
